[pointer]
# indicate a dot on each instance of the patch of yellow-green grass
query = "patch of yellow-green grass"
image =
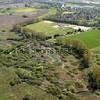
(6, 75)
(26, 9)
(8, 35)
(51, 11)
(17, 10)
(67, 12)
(48, 28)
(96, 49)
(4, 11)
(19, 91)
(91, 38)
(51, 40)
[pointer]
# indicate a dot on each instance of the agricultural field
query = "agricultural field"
(91, 38)
(67, 12)
(48, 28)
(19, 16)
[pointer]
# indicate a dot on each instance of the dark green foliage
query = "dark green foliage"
(27, 97)
(94, 78)
(15, 81)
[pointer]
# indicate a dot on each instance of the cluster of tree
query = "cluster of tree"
(62, 93)
(28, 33)
(94, 78)
(35, 72)
(17, 27)
(77, 47)
(79, 17)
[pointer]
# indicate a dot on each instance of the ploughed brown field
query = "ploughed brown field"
(7, 20)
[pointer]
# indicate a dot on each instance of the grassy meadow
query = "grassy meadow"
(26, 9)
(91, 38)
(48, 28)
(17, 10)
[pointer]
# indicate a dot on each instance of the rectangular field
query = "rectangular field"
(17, 10)
(48, 28)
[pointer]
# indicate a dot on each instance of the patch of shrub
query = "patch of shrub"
(15, 81)
(25, 16)
(94, 77)
(76, 47)
(27, 97)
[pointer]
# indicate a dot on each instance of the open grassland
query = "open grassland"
(17, 10)
(97, 48)
(51, 11)
(91, 38)
(26, 9)
(48, 28)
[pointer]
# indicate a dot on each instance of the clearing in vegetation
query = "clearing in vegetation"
(17, 10)
(26, 9)
(48, 28)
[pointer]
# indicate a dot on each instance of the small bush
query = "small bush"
(94, 77)
(27, 97)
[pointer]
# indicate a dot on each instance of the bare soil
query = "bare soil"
(7, 20)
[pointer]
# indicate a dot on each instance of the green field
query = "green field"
(16, 10)
(26, 9)
(91, 38)
(96, 49)
(51, 11)
(48, 28)
(67, 12)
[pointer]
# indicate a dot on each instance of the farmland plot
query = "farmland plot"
(48, 28)
(19, 17)
(91, 38)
